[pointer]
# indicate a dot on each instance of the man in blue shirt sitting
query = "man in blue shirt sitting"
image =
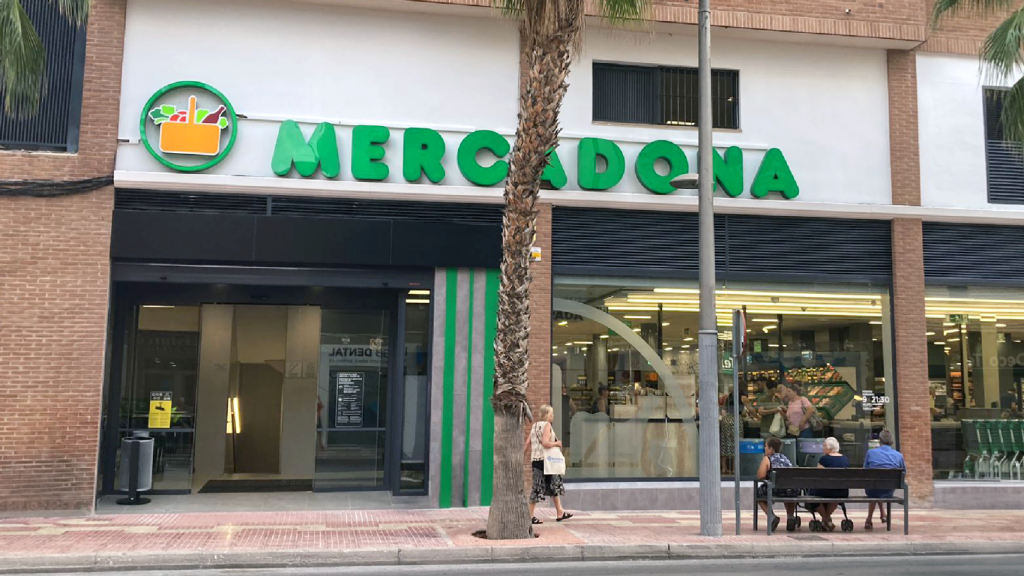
(885, 456)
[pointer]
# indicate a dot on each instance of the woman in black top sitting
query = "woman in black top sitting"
(831, 459)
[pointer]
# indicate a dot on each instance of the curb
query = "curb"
(494, 554)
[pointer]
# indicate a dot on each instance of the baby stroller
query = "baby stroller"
(818, 526)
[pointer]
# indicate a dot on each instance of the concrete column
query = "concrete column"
(215, 360)
(987, 391)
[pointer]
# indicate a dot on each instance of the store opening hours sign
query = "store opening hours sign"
(351, 389)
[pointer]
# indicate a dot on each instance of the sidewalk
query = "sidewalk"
(265, 539)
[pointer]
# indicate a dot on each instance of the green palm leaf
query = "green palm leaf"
(23, 57)
(954, 8)
(1013, 113)
(1001, 53)
(22, 60)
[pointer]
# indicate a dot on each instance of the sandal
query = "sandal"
(868, 525)
(535, 520)
(830, 526)
(565, 516)
(775, 522)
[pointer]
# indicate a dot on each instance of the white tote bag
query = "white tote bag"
(778, 427)
(554, 462)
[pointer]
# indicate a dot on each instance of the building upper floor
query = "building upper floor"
(422, 99)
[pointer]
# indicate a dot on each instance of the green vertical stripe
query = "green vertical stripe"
(451, 303)
(469, 391)
(490, 331)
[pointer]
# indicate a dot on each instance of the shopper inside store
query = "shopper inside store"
(817, 363)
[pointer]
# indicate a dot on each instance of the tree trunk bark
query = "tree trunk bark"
(550, 31)
(509, 517)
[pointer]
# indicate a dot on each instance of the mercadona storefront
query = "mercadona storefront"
(305, 250)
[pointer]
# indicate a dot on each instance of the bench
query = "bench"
(802, 479)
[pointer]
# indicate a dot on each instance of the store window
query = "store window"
(662, 95)
(164, 366)
(624, 372)
(976, 374)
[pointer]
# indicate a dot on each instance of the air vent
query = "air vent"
(466, 213)
(959, 253)
(631, 242)
(152, 201)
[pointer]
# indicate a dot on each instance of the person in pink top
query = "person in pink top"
(798, 411)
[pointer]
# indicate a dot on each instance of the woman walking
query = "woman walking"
(542, 436)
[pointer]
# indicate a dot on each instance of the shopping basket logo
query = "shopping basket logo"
(194, 124)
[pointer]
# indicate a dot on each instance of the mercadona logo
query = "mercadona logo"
(193, 124)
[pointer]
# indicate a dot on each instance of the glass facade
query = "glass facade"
(624, 372)
(976, 373)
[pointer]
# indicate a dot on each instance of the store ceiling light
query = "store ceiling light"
(1000, 325)
(419, 292)
(614, 350)
(665, 323)
(771, 320)
(686, 347)
(773, 345)
(688, 339)
(628, 317)
(563, 323)
(952, 339)
(417, 301)
(156, 306)
(582, 342)
(875, 322)
(568, 343)
(604, 336)
(929, 333)
(636, 329)
(939, 342)
(668, 347)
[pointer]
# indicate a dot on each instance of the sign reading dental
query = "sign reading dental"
(194, 126)
(600, 163)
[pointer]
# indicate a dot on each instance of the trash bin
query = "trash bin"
(136, 468)
(809, 451)
(751, 454)
(789, 449)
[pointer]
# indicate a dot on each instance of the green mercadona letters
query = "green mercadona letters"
(423, 150)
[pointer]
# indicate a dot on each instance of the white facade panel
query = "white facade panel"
(951, 118)
(825, 107)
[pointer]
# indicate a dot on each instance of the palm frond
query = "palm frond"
(1013, 113)
(1002, 52)
(76, 11)
(952, 8)
(624, 11)
(22, 61)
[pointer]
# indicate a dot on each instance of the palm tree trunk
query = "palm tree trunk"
(550, 31)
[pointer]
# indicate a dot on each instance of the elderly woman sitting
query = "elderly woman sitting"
(831, 459)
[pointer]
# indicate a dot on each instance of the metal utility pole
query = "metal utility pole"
(710, 472)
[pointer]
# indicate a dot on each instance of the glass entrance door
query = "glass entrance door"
(352, 400)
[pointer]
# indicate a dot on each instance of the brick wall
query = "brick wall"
(891, 19)
(539, 371)
(914, 403)
(903, 133)
(962, 34)
(54, 278)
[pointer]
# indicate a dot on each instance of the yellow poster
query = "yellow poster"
(159, 410)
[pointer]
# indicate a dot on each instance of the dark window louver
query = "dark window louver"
(1004, 161)
(661, 95)
(55, 126)
(342, 208)
(973, 254)
(639, 243)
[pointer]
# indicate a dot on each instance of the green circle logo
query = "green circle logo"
(190, 121)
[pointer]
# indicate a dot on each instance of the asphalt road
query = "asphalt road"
(835, 566)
